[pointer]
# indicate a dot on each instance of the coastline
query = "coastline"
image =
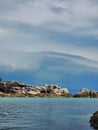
(17, 89)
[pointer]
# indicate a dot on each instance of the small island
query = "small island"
(17, 89)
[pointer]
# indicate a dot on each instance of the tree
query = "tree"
(1, 79)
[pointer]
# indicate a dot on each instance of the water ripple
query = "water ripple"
(45, 114)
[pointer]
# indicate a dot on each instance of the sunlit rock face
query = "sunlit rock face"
(86, 93)
(54, 89)
(17, 88)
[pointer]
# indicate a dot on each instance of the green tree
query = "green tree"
(1, 79)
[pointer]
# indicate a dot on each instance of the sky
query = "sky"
(50, 42)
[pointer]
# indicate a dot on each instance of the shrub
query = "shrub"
(1, 79)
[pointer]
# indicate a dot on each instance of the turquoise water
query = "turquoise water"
(46, 113)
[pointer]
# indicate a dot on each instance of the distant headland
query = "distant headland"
(17, 89)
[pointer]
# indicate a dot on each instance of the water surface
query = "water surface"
(46, 113)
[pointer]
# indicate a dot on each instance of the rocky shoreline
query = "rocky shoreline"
(17, 89)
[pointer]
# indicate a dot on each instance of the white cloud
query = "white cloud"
(3, 32)
(39, 12)
(74, 17)
(15, 60)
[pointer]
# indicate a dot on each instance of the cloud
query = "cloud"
(19, 36)
(2, 32)
(57, 9)
(77, 15)
(51, 61)
(38, 12)
(48, 67)
(36, 43)
(59, 15)
(28, 27)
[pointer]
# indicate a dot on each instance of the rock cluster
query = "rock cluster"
(15, 88)
(19, 89)
(54, 89)
(94, 120)
(86, 93)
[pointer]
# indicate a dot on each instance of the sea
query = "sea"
(46, 113)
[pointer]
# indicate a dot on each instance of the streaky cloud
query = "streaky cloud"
(48, 67)
(35, 60)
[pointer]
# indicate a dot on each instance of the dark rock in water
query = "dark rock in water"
(86, 93)
(94, 120)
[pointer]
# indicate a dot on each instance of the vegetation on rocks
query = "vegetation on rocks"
(1, 79)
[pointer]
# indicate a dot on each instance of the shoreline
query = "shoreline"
(17, 89)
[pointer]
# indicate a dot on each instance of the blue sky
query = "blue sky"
(50, 41)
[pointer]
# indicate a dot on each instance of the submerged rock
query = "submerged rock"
(94, 120)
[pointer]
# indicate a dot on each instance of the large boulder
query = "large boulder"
(33, 93)
(47, 88)
(54, 89)
(62, 91)
(86, 93)
(94, 120)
